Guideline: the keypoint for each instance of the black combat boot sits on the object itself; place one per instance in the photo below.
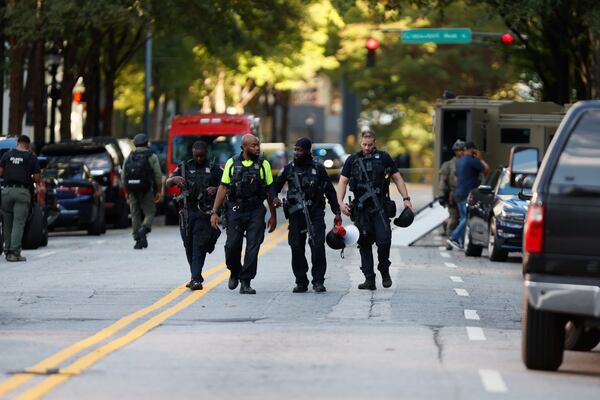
(386, 279)
(142, 236)
(233, 282)
(15, 257)
(196, 285)
(246, 289)
(368, 284)
(137, 245)
(300, 289)
(319, 288)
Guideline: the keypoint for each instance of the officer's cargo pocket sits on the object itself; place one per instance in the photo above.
(389, 207)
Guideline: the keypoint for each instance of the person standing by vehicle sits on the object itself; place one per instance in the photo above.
(368, 173)
(447, 184)
(245, 182)
(20, 168)
(198, 180)
(143, 181)
(308, 186)
(468, 169)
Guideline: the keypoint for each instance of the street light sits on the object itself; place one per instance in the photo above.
(54, 60)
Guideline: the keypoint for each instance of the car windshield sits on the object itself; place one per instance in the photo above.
(326, 153)
(220, 147)
(504, 187)
(65, 171)
(98, 163)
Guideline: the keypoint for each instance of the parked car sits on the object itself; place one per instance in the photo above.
(332, 156)
(159, 147)
(561, 261)
(495, 216)
(126, 146)
(106, 170)
(112, 146)
(80, 197)
(36, 229)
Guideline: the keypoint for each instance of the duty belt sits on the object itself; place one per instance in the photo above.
(16, 185)
(245, 206)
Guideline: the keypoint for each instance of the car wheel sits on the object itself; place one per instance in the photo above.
(580, 338)
(542, 338)
(1, 236)
(95, 228)
(494, 251)
(471, 250)
(122, 217)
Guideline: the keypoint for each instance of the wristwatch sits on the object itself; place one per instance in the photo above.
(407, 198)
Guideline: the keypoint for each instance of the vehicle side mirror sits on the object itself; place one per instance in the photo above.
(523, 166)
(485, 189)
(43, 161)
(525, 195)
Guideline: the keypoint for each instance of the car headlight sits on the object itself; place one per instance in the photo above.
(511, 215)
(328, 163)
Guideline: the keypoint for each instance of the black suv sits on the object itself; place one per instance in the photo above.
(561, 246)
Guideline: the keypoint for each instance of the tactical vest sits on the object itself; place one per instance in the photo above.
(198, 178)
(17, 169)
(246, 183)
(377, 173)
(310, 184)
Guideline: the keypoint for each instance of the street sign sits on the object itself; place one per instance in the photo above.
(437, 35)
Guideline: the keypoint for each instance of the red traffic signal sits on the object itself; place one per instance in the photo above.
(372, 43)
(507, 38)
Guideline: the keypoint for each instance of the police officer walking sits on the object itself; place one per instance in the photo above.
(245, 182)
(308, 186)
(20, 168)
(198, 180)
(447, 185)
(368, 173)
(143, 180)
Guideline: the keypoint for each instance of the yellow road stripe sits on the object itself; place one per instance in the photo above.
(93, 357)
(17, 380)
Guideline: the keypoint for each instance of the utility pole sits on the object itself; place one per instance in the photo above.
(148, 82)
(2, 62)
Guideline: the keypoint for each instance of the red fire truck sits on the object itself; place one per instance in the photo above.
(223, 134)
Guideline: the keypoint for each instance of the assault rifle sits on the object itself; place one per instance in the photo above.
(183, 198)
(371, 193)
(301, 204)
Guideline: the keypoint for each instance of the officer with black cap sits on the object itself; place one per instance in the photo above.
(20, 168)
(143, 183)
(308, 186)
(198, 179)
(246, 180)
(368, 173)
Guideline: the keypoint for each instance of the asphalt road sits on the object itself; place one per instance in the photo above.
(90, 318)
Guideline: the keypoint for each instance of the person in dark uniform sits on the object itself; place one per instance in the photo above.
(315, 186)
(368, 173)
(198, 180)
(143, 182)
(20, 168)
(245, 182)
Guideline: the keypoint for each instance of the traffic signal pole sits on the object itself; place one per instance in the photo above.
(148, 82)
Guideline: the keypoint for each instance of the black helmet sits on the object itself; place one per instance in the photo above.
(334, 241)
(141, 139)
(405, 218)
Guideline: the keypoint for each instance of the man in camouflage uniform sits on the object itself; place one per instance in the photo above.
(447, 184)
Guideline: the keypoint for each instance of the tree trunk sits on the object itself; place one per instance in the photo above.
(283, 99)
(163, 120)
(155, 115)
(109, 100)
(17, 56)
(66, 91)
(39, 94)
(91, 79)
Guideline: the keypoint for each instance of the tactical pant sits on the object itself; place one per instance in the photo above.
(374, 230)
(452, 219)
(297, 242)
(15, 209)
(195, 234)
(251, 223)
(141, 204)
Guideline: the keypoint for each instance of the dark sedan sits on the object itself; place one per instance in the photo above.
(80, 198)
(495, 216)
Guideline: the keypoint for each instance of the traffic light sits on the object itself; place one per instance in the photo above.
(371, 45)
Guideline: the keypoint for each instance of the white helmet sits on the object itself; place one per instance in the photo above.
(352, 235)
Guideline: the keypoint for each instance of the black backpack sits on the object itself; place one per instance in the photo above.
(138, 173)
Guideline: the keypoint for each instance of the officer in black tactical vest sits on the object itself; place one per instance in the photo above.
(245, 182)
(19, 168)
(369, 173)
(143, 183)
(308, 186)
(198, 180)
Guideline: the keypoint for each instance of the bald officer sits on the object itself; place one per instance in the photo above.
(245, 182)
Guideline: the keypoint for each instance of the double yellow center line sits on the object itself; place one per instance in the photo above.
(59, 376)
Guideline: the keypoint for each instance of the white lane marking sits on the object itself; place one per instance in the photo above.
(456, 279)
(445, 255)
(475, 333)
(451, 265)
(461, 292)
(442, 248)
(472, 314)
(46, 254)
(101, 241)
(492, 381)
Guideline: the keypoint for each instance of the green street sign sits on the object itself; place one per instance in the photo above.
(437, 35)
